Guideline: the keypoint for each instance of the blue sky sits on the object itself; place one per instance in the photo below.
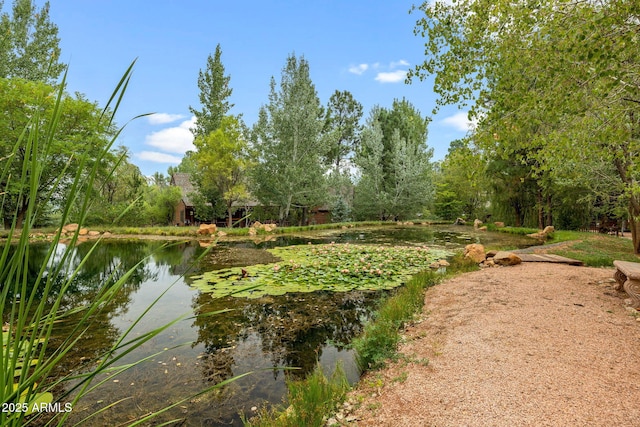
(361, 46)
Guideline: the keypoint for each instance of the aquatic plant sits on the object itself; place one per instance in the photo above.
(32, 296)
(328, 267)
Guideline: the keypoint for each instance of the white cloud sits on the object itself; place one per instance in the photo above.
(396, 64)
(460, 121)
(163, 118)
(177, 139)
(358, 69)
(154, 156)
(391, 77)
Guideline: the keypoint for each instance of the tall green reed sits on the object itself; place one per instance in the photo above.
(32, 307)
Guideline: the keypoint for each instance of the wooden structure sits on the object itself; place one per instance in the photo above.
(525, 257)
(184, 213)
(628, 277)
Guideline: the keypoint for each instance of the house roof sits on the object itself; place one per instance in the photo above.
(183, 180)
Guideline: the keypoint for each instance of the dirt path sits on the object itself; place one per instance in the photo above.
(532, 345)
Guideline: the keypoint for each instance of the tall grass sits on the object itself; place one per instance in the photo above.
(380, 337)
(310, 401)
(32, 307)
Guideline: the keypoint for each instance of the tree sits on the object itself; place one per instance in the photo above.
(81, 134)
(29, 43)
(214, 94)
(462, 184)
(402, 175)
(342, 126)
(223, 159)
(288, 138)
(555, 82)
(118, 196)
(160, 203)
(370, 200)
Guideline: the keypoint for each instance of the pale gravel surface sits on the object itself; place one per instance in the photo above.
(531, 345)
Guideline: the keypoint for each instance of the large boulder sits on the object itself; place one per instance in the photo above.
(474, 252)
(506, 258)
(207, 229)
(544, 234)
(477, 223)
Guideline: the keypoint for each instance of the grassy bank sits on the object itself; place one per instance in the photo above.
(594, 249)
(313, 399)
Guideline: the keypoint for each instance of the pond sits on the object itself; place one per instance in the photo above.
(261, 335)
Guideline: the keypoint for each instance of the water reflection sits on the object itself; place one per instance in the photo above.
(257, 335)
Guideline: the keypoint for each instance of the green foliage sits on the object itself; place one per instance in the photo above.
(29, 44)
(555, 86)
(394, 161)
(160, 204)
(310, 401)
(290, 145)
(214, 94)
(333, 267)
(80, 127)
(342, 127)
(223, 159)
(380, 338)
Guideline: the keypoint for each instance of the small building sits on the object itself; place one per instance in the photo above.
(184, 213)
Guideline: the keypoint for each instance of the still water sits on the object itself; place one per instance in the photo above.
(261, 336)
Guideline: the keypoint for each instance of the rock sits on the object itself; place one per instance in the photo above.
(483, 228)
(477, 223)
(221, 233)
(499, 224)
(542, 235)
(93, 233)
(70, 228)
(207, 229)
(548, 230)
(252, 231)
(443, 263)
(83, 232)
(107, 234)
(506, 258)
(491, 254)
(474, 252)
(459, 221)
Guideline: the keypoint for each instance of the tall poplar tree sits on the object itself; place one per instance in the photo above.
(288, 137)
(214, 96)
(29, 43)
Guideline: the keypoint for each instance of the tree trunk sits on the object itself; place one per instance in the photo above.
(540, 209)
(634, 225)
(229, 216)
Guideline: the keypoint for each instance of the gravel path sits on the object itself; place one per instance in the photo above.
(532, 345)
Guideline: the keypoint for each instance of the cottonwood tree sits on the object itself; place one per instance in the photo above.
(81, 135)
(214, 96)
(342, 127)
(290, 144)
(555, 82)
(29, 43)
(223, 159)
(395, 162)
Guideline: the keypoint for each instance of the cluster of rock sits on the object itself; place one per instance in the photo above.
(71, 229)
(256, 226)
(476, 253)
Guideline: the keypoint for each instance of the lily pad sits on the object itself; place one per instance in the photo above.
(309, 268)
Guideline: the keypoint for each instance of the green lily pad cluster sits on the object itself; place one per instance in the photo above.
(330, 267)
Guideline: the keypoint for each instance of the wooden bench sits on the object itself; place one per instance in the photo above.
(628, 277)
